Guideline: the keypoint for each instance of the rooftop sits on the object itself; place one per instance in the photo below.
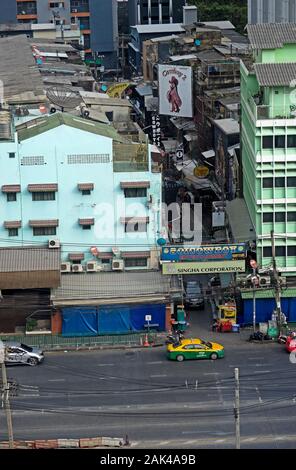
(228, 126)
(281, 74)
(159, 28)
(240, 221)
(46, 123)
(271, 35)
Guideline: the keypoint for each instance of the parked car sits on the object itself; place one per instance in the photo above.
(193, 297)
(19, 353)
(194, 349)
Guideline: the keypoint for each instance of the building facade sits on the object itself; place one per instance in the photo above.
(271, 11)
(97, 21)
(268, 139)
(155, 11)
(71, 183)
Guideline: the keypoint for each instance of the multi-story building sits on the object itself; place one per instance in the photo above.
(269, 141)
(271, 11)
(155, 11)
(97, 21)
(79, 184)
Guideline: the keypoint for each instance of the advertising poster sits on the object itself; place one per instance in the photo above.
(218, 267)
(175, 90)
(204, 253)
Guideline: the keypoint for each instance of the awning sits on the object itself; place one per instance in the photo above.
(105, 255)
(85, 186)
(133, 47)
(12, 224)
(44, 223)
(135, 254)
(86, 221)
(208, 153)
(170, 145)
(76, 256)
(42, 188)
(11, 188)
(135, 220)
(134, 184)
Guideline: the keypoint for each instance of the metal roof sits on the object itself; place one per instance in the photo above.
(240, 221)
(18, 70)
(159, 28)
(271, 35)
(219, 24)
(228, 126)
(113, 285)
(46, 123)
(275, 74)
(29, 259)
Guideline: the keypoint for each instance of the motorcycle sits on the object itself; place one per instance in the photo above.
(174, 338)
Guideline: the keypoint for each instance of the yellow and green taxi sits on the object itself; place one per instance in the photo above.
(194, 349)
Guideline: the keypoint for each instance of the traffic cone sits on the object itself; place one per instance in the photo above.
(146, 343)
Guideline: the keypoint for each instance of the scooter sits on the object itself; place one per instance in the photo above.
(174, 338)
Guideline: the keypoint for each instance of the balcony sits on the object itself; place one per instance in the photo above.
(264, 112)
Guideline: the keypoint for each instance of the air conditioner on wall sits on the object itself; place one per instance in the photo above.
(264, 281)
(65, 267)
(77, 268)
(93, 267)
(54, 243)
(117, 265)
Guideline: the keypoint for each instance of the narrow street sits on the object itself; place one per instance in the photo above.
(159, 403)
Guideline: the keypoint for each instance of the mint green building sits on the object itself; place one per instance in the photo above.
(268, 139)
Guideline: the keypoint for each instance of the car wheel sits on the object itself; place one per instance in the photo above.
(32, 361)
(214, 356)
(180, 358)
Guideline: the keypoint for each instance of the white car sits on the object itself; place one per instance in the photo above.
(19, 353)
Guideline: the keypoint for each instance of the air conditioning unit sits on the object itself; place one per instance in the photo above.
(65, 267)
(77, 268)
(54, 243)
(244, 282)
(117, 265)
(92, 266)
(264, 281)
(283, 281)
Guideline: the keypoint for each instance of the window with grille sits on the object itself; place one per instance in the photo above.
(11, 197)
(86, 227)
(131, 227)
(43, 196)
(30, 161)
(86, 192)
(135, 192)
(135, 262)
(13, 232)
(37, 231)
(88, 158)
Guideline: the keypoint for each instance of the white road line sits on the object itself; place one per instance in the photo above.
(256, 358)
(258, 393)
(261, 371)
(105, 365)
(211, 373)
(56, 380)
(158, 375)
(250, 439)
(164, 443)
(155, 362)
(219, 440)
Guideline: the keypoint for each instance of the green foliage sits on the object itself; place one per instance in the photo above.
(235, 11)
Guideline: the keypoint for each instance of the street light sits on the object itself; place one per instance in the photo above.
(255, 281)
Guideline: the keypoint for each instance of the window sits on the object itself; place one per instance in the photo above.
(291, 216)
(135, 192)
(86, 192)
(280, 141)
(267, 182)
(291, 181)
(268, 217)
(13, 232)
(267, 142)
(37, 231)
(11, 154)
(135, 227)
(291, 141)
(11, 197)
(280, 251)
(280, 216)
(135, 262)
(291, 251)
(105, 261)
(279, 182)
(43, 196)
(267, 252)
(86, 227)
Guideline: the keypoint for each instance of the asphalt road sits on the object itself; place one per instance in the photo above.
(156, 402)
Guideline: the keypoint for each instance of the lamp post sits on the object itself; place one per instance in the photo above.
(253, 265)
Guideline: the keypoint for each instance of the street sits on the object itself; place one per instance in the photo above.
(159, 403)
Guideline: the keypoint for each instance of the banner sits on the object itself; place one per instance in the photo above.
(175, 90)
(218, 267)
(204, 252)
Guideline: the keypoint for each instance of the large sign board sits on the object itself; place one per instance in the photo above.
(218, 267)
(175, 90)
(204, 252)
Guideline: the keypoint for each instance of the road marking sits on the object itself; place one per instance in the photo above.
(250, 439)
(187, 443)
(56, 380)
(256, 358)
(105, 365)
(258, 393)
(155, 362)
(260, 365)
(159, 375)
(164, 443)
(261, 371)
(219, 440)
(211, 373)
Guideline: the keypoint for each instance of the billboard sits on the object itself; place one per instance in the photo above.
(175, 90)
(204, 253)
(218, 267)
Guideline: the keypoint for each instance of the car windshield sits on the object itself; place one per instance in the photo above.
(26, 348)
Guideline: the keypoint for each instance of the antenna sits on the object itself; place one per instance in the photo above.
(63, 97)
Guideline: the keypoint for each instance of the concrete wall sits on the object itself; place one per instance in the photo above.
(8, 11)
(271, 11)
(45, 14)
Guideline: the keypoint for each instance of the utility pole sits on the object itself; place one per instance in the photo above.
(236, 409)
(277, 285)
(5, 395)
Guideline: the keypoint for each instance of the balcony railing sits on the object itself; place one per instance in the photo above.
(265, 112)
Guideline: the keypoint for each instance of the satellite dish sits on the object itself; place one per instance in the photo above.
(63, 97)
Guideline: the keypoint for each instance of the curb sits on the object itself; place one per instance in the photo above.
(103, 347)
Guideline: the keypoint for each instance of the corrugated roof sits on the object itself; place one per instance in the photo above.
(159, 28)
(111, 285)
(271, 35)
(46, 123)
(29, 259)
(275, 74)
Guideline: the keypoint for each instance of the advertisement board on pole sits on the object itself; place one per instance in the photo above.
(175, 90)
(218, 267)
(204, 252)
